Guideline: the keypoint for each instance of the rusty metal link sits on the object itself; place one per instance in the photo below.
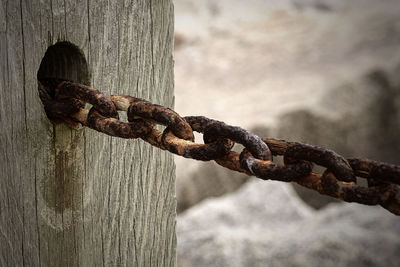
(323, 157)
(64, 101)
(268, 170)
(68, 90)
(61, 110)
(374, 170)
(162, 115)
(386, 195)
(218, 129)
(208, 151)
(115, 127)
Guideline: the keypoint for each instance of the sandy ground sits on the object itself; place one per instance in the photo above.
(247, 62)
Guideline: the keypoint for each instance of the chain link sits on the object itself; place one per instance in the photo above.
(64, 101)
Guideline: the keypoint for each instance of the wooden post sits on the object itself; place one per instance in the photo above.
(78, 197)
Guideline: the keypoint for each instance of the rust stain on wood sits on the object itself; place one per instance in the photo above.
(63, 190)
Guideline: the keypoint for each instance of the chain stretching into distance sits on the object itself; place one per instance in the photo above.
(64, 101)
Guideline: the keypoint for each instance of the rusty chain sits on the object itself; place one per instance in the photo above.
(64, 101)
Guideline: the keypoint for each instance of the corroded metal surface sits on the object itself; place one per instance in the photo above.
(64, 102)
(115, 127)
(208, 151)
(268, 170)
(218, 129)
(67, 90)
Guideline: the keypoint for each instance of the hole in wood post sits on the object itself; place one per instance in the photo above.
(62, 188)
(62, 61)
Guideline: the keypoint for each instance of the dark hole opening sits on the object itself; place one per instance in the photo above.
(64, 61)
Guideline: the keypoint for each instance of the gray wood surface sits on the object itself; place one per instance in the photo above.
(80, 198)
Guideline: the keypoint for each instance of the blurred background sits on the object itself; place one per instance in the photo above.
(324, 72)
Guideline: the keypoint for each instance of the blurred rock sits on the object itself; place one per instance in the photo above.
(312, 198)
(359, 119)
(209, 180)
(263, 224)
(179, 40)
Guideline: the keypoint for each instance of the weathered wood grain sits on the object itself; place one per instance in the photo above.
(79, 198)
